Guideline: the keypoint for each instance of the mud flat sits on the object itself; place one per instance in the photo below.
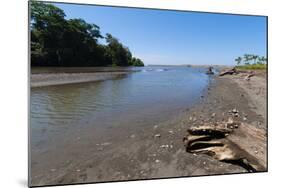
(158, 151)
(47, 79)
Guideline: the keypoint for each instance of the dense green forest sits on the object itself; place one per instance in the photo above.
(56, 41)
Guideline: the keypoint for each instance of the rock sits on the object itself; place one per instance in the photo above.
(155, 126)
(234, 110)
(213, 115)
(157, 161)
(132, 136)
(157, 136)
(164, 146)
(105, 144)
(190, 118)
(171, 132)
(244, 119)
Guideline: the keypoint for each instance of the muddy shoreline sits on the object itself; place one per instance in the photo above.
(157, 151)
(49, 79)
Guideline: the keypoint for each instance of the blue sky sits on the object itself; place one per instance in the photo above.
(174, 37)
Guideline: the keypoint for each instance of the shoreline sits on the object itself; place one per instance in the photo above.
(157, 151)
(49, 79)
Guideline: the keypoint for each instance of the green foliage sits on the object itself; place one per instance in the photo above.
(252, 67)
(136, 62)
(251, 61)
(56, 41)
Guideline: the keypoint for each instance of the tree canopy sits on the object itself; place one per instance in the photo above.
(56, 41)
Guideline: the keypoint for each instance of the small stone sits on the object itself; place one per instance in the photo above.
(105, 144)
(256, 152)
(244, 119)
(171, 132)
(190, 118)
(235, 110)
(78, 170)
(213, 115)
(53, 170)
(164, 146)
(132, 136)
(155, 126)
(204, 163)
(157, 161)
(157, 136)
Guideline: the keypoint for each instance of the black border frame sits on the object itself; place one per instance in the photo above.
(143, 8)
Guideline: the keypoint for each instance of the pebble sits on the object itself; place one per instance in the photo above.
(171, 132)
(155, 126)
(213, 115)
(105, 144)
(244, 118)
(132, 136)
(157, 161)
(157, 136)
(164, 146)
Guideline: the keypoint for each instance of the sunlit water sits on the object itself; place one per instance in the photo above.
(143, 98)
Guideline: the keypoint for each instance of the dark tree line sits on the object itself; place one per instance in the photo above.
(56, 41)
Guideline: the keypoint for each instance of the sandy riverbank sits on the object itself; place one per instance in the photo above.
(47, 79)
(157, 151)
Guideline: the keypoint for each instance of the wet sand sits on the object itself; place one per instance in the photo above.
(157, 151)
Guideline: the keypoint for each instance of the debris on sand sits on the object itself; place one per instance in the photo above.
(234, 112)
(226, 141)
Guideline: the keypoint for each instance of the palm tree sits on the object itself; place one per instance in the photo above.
(254, 57)
(238, 60)
(247, 58)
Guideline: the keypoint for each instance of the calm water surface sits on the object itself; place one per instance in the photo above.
(143, 98)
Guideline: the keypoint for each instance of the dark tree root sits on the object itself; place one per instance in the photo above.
(244, 163)
(214, 141)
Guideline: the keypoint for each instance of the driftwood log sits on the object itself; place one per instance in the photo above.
(233, 142)
(230, 71)
(249, 76)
